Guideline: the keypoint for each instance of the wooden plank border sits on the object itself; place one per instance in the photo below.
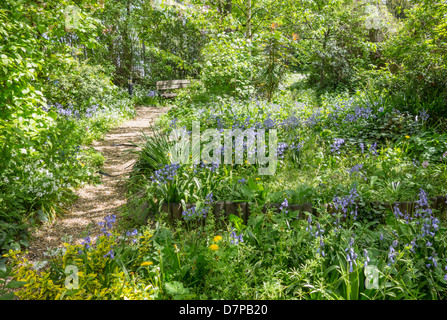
(226, 208)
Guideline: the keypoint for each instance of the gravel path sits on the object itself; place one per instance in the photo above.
(97, 201)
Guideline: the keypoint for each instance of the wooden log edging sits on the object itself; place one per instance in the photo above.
(226, 208)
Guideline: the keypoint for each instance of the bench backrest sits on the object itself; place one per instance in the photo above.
(172, 84)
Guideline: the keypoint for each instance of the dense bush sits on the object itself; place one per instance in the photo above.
(228, 66)
(274, 256)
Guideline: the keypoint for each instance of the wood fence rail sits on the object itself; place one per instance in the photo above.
(226, 208)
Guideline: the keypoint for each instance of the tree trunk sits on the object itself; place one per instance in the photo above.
(248, 19)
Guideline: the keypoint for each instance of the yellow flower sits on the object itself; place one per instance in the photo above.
(258, 179)
(217, 238)
(214, 247)
(408, 137)
(146, 263)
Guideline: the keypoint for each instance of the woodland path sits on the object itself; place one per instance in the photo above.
(95, 202)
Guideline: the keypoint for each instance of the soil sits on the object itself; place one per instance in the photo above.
(95, 202)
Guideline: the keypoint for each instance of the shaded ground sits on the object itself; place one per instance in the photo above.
(97, 201)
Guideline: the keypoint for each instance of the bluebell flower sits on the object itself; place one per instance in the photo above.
(165, 174)
(282, 146)
(356, 168)
(236, 239)
(424, 115)
(107, 224)
(367, 260)
(87, 241)
(284, 205)
(209, 198)
(337, 144)
(110, 254)
(373, 148)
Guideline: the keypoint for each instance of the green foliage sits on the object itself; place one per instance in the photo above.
(228, 67)
(80, 86)
(50, 104)
(416, 60)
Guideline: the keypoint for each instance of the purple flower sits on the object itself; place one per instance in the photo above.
(209, 198)
(152, 93)
(356, 168)
(280, 149)
(373, 148)
(296, 147)
(365, 253)
(165, 174)
(424, 115)
(107, 224)
(337, 144)
(236, 239)
(284, 205)
(194, 214)
(110, 254)
(87, 241)
(351, 256)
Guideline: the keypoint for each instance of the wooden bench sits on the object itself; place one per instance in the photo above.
(168, 85)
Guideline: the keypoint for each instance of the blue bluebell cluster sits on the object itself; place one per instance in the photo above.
(87, 241)
(209, 198)
(425, 218)
(132, 234)
(201, 165)
(236, 239)
(362, 147)
(367, 259)
(423, 114)
(337, 144)
(314, 119)
(269, 123)
(296, 146)
(290, 122)
(282, 146)
(356, 168)
(152, 93)
(433, 261)
(351, 256)
(347, 204)
(317, 234)
(109, 254)
(359, 113)
(284, 205)
(165, 174)
(392, 253)
(373, 148)
(90, 111)
(194, 214)
(107, 224)
(173, 123)
(70, 111)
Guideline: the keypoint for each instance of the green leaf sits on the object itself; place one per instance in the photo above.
(15, 284)
(8, 296)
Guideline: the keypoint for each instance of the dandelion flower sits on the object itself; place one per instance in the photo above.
(146, 263)
(217, 238)
(214, 247)
(408, 137)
